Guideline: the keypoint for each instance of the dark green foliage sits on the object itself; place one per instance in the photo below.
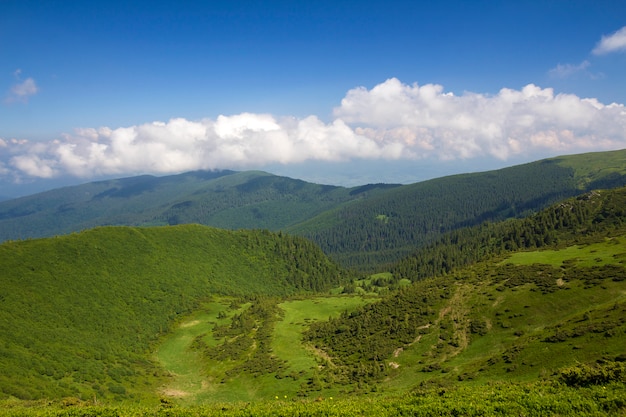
(247, 340)
(80, 313)
(586, 218)
(478, 327)
(544, 277)
(418, 214)
(360, 342)
(225, 199)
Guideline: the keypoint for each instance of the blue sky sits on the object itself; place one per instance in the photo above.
(338, 92)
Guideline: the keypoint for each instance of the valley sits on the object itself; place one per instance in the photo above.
(524, 314)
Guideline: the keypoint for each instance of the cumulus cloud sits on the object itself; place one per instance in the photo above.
(430, 122)
(22, 90)
(615, 42)
(390, 121)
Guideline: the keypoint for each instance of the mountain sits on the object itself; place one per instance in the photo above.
(366, 227)
(191, 314)
(512, 313)
(80, 314)
(372, 232)
(225, 199)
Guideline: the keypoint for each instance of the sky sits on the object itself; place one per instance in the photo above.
(335, 92)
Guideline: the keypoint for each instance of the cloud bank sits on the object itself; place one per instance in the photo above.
(391, 121)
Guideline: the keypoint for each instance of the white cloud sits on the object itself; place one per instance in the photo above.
(568, 70)
(392, 121)
(34, 166)
(22, 90)
(615, 42)
(434, 124)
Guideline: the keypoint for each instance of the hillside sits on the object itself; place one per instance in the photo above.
(382, 229)
(224, 199)
(362, 227)
(80, 314)
(117, 314)
(520, 315)
(551, 312)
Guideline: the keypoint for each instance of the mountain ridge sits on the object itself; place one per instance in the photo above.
(363, 227)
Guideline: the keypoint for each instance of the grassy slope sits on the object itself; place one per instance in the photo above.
(531, 328)
(488, 400)
(519, 319)
(79, 314)
(596, 169)
(531, 325)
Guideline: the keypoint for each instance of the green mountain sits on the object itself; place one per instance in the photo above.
(535, 323)
(510, 314)
(368, 233)
(225, 199)
(364, 227)
(80, 314)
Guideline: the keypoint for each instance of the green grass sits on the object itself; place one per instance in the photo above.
(298, 314)
(184, 366)
(594, 166)
(610, 251)
(194, 379)
(498, 399)
(585, 320)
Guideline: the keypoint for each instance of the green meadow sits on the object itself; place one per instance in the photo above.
(193, 379)
(611, 251)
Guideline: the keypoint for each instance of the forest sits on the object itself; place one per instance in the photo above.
(365, 227)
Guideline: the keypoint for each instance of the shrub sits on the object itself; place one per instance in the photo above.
(584, 375)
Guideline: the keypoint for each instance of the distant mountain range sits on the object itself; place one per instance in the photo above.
(362, 227)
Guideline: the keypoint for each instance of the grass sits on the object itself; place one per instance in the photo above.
(529, 334)
(610, 251)
(590, 167)
(186, 380)
(298, 314)
(496, 399)
(197, 380)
